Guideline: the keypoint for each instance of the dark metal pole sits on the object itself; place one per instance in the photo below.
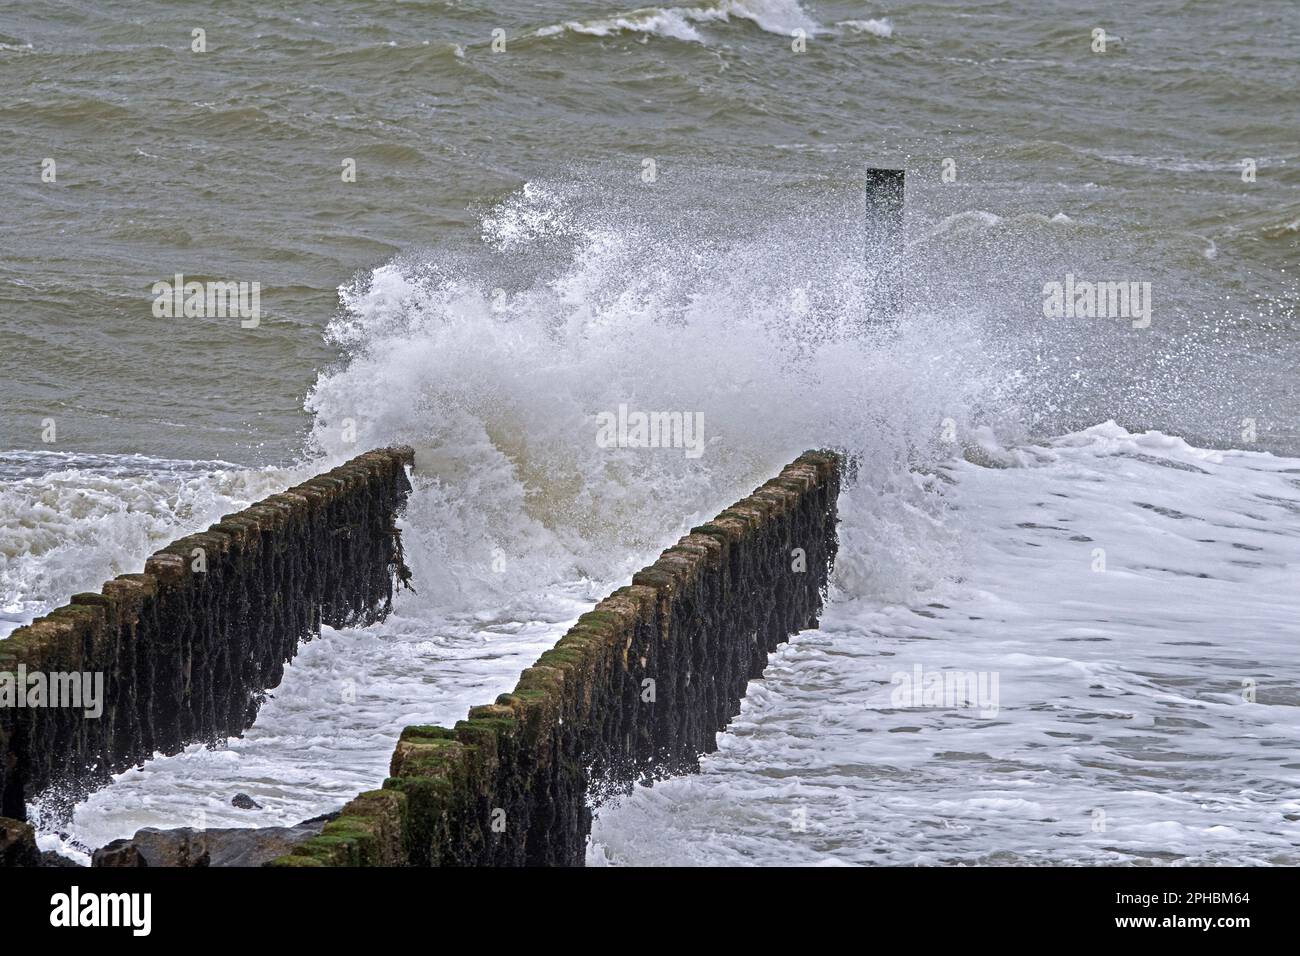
(884, 242)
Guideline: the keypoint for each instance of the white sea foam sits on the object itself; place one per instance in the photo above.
(69, 522)
(781, 17)
(1183, 164)
(877, 27)
(671, 23)
(1148, 711)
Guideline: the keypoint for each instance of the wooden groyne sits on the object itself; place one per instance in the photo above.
(187, 649)
(638, 688)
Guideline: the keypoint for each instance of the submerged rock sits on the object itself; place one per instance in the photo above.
(243, 801)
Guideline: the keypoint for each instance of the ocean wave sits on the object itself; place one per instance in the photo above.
(879, 28)
(72, 111)
(497, 379)
(982, 221)
(1284, 229)
(498, 385)
(1182, 164)
(780, 17)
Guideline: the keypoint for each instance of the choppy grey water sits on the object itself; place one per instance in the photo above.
(600, 205)
(226, 164)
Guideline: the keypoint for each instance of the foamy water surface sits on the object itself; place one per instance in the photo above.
(1134, 598)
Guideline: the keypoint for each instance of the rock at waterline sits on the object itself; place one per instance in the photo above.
(236, 846)
(18, 844)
